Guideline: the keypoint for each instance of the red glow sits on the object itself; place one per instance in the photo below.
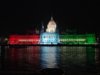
(24, 39)
(24, 56)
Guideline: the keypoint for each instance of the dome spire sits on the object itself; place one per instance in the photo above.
(51, 18)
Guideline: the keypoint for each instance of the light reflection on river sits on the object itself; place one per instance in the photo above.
(72, 59)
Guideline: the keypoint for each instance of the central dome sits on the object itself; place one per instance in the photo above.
(51, 27)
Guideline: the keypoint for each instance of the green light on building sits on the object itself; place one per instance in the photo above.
(91, 39)
(78, 39)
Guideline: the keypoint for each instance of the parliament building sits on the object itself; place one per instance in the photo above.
(51, 36)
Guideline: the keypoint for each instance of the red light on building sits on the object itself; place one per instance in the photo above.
(24, 39)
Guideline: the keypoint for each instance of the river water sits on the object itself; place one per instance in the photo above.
(80, 60)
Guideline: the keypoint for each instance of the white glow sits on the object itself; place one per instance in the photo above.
(51, 27)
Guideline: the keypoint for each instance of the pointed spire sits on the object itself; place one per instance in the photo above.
(42, 28)
(42, 25)
(51, 18)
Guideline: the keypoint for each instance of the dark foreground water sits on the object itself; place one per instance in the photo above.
(26, 60)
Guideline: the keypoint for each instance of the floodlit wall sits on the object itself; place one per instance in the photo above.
(78, 39)
(49, 38)
(24, 39)
(53, 38)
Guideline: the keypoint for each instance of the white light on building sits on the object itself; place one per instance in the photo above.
(51, 27)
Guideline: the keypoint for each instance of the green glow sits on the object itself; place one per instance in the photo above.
(90, 55)
(78, 39)
(91, 39)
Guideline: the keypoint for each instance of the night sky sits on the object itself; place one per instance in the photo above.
(25, 16)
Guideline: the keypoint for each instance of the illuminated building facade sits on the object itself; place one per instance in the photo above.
(50, 36)
(24, 39)
(78, 39)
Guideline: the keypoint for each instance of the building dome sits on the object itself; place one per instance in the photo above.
(51, 27)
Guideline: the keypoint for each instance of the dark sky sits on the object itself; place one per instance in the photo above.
(22, 16)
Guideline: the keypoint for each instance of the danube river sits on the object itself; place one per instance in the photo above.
(73, 60)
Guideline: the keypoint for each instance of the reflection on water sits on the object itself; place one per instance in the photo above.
(72, 59)
(73, 56)
(24, 58)
(49, 57)
(78, 59)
